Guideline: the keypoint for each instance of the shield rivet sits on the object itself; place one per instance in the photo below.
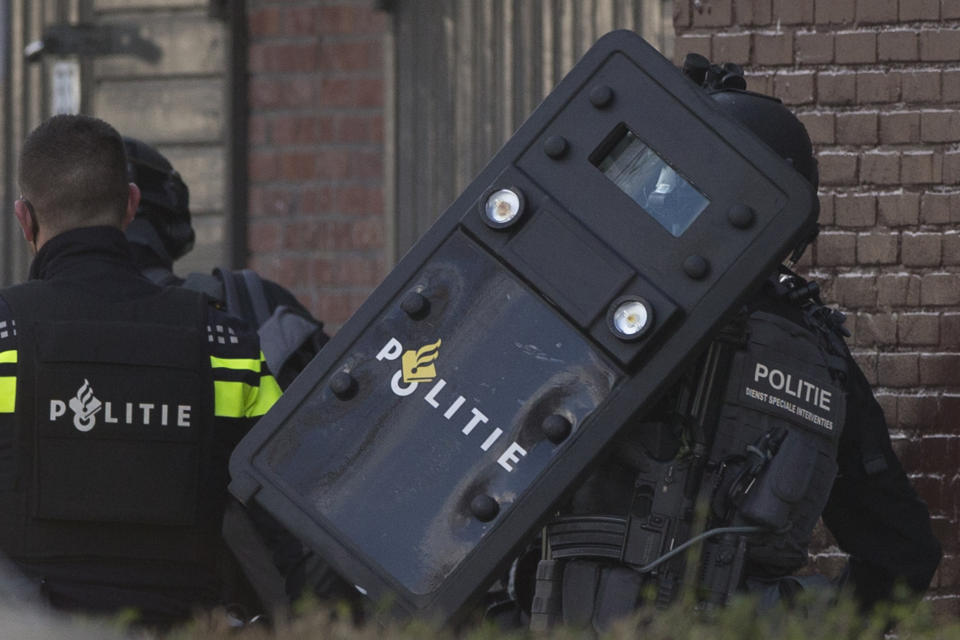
(484, 508)
(415, 305)
(556, 428)
(343, 385)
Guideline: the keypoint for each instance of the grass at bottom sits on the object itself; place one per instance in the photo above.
(813, 615)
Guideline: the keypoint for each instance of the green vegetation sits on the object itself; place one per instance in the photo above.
(811, 617)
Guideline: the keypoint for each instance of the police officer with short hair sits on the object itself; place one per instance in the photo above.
(120, 400)
(734, 434)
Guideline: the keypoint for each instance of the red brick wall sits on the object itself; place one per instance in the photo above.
(316, 163)
(877, 83)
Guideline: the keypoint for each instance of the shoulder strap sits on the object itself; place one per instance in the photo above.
(258, 296)
(232, 293)
(244, 295)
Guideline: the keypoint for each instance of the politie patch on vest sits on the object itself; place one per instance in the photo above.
(803, 396)
(86, 408)
(95, 399)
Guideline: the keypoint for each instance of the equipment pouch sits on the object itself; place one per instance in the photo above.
(784, 481)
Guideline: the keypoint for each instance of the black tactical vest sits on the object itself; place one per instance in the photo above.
(114, 430)
(758, 444)
(786, 383)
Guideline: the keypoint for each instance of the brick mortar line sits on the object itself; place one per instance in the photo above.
(934, 188)
(824, 28)
(948, 145)
(320, 218)
(327, 217)
(315, 183)
(874, 108)
(929, 309)
(286, 186)
(903, 271)
(321, 146)
(296, 39)
(320, 37)
(372, 72)
(309, 255)
(754, 71)
(857, 189)
(898, 147)
(337, 254)
(266, 4)
(269, 115)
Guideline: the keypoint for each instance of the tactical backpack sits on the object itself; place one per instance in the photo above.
(287, 338)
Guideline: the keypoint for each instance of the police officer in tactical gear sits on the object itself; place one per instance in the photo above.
(161, 234)
(120, 400)
(739, 434)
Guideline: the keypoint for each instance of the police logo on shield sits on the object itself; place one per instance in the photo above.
(417, 364)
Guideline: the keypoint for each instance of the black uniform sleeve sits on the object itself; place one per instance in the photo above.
(873, 511)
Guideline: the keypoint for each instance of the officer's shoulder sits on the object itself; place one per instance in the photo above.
(8, 326)
(797, 299)
(22, 289)
(228, 335)
(13, 295)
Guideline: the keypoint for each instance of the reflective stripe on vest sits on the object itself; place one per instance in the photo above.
(8, 384)
(235, 399)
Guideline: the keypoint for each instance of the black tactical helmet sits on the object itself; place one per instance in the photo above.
(164, 197)
(764, 115)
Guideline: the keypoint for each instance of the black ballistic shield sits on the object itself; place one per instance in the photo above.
(593, 256)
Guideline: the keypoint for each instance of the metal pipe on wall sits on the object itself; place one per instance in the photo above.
(237, 196)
